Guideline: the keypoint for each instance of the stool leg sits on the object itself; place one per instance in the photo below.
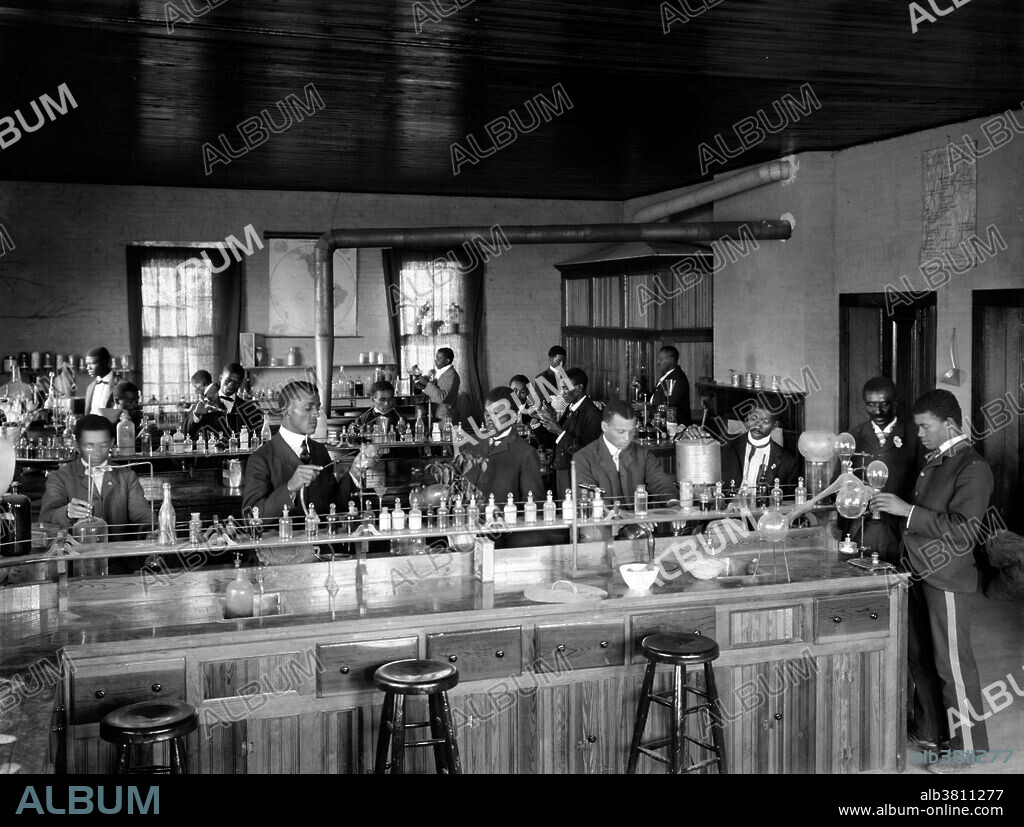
(643, 706)
(380, 763)
(715, 711)
(437, 733)
(451, 746)
(678, 718)
(122, 759)
(398, 737)
(178, 757)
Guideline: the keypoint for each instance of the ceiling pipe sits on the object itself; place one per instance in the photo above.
(752, 178)
(449, 237)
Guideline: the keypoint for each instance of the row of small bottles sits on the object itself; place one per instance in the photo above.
(179, 443)
(378, 432)
(744, 496)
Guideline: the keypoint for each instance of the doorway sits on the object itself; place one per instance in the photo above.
(898, 342)
(997, 376)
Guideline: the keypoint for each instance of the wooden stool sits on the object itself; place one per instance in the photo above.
(150, 722)
(680, 651)
(416, 677)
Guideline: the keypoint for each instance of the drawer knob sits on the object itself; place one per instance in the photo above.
(778, 716)
(836, 619)
(696, 632)
(100, 693)
(873, 615)
(156, 687)
(604, 644)
(344, 670)
(452, 658)
(500, 653)
(560, 647)
(592, 738)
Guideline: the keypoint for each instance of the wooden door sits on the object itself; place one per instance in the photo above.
(853, 739)
(996, 394)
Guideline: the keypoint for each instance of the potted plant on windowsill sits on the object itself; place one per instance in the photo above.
(421, 318)
(455, 314)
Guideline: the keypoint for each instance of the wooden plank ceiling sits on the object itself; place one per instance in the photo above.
(395, 100)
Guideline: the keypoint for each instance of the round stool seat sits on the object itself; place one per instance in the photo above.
(416, 677)
(149, 721)
(679, 648)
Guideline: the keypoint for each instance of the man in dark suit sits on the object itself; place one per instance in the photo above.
(100, 392)
(276, 473)
(754, 458)
(117, 494)
(578, 426)
(617, 465)
(941, 527)
(223, 412)
(892, 440)
(383, 398)
(673, 388)
(548, 378)
(442, 385)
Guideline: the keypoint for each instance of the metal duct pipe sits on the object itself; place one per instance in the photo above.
(450, 237)
(775, 171)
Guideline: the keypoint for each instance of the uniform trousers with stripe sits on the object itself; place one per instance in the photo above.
(942, 667)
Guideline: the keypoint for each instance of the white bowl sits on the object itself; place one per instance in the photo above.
(639, 576)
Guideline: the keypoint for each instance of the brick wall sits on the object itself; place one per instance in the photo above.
(63, 287)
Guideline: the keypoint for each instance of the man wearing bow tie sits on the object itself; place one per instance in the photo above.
(892, 440)
(223, 412)
(578, 426)
(117, 494)
(383, 398)
(100, 393)
(942, 525)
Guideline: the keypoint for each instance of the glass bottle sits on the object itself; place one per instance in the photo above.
(489, 510)
(293, 356)
(529, 509)
(640, 501)
(243, 439)
(125, 434)
(351, 518)
(686, 495)
(15, 523)
(446, 430)
(415, 517)
(238, 597)
(420, 430)
(256, 525)
(597, 507)
(195, 529)
(550, 509)
(284, 525)
(442, 514)
(384, 519)
(567, 506)
(233, 442)
(398, 516)
(165, 442)
(265, 435)
(509, 512)
(801, 492)
(332, 520)
(435, 432)
(744, 496)
(459, 513)
(472, 512)
(178, 441)
(776, 494)
(719, 497)
(168, 534)
(90, 529)
(312, 523)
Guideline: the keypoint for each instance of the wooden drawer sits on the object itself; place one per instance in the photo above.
(767, 626)
(349, 667)
(481, 654)
(95, 691)
(699, 620)
(851, 615)
(579, 646)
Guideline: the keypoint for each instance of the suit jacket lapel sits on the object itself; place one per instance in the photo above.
(614, 486)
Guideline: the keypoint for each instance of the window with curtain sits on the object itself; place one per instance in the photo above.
(432, 312)
(185, 315)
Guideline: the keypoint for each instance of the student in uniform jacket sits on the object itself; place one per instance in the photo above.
(578, 426)
(892, 440)
(942, 525)
(617, 465)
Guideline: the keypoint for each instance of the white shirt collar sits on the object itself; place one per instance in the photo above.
(206, 390)
(577, 403)
(663, 378)
(293, 439)
(949, 443)
(109, 379)
(887, 429)
(759, 443)
(441, 372)
(501, 436)
(611, 448)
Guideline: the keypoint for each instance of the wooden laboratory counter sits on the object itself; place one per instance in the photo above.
(812, 670)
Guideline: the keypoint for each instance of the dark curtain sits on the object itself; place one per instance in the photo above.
(427, 295)
(182, 319)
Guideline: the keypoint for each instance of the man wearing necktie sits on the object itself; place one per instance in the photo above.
(617, 465)
(277, 472)
(383, 398)
(578, 426)
(946, 520)
(100, 393)
(891, 439)
(221, 411)
(754, 457)
(673, 388)
(117, 494)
